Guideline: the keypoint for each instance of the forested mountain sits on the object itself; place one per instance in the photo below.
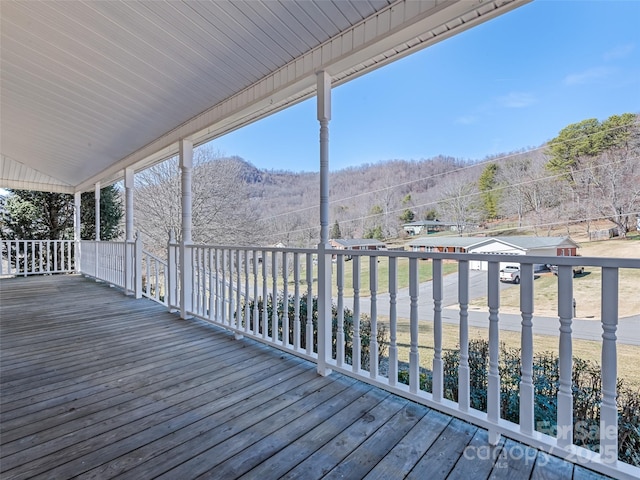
(590, 171)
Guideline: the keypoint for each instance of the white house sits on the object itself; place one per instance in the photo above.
(516, 245)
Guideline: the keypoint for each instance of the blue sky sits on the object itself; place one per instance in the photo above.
(510, 83)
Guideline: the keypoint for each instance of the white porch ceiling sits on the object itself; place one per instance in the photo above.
(90, 87)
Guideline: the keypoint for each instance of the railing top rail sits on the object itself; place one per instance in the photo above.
(154, 257)
(616, 262)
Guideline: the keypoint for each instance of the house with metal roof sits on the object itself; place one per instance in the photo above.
(357, 244)
(512, 245)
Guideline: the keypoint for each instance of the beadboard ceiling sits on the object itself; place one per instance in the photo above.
(89, 88)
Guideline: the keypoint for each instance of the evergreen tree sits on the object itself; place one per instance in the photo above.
(335, 231)
(487, 184)
(110, 214)
(30, 215)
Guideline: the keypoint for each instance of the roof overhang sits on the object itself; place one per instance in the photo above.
(89, 89)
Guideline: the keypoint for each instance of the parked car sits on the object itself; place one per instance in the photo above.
(510, 273)
(577, 270)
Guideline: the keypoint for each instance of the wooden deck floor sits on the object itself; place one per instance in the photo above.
(98, 385)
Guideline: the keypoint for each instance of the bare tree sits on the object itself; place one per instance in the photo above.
(222, 213)
(459, 203)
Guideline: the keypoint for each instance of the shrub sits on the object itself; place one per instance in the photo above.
(365, 327)
(586, 386)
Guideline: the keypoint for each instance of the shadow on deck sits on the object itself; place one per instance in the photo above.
(98, 385)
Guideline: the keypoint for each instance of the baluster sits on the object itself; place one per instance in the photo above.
(40, 257)
(147, 272)
(223, 290)
(247, 304)
(296, 301)
(437, 385)
(463, 367)
(256, 310)
(217, 313)
(55, 259)
(285, 300)
(265, 290)
(393, 318)
(373, 335)
(565, 397)
(526, 345)
(355, 344)
(493, 379)
(609, 407)
(274, 295)
(340, 330)
(211, 315)
(195, 265)
(231, 271)
(309, 324)
(414, 356)
(238, 311)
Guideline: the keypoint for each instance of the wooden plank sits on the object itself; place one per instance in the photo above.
(330, 455)
(478, 458)
(299, 449)
(198, 454)
(406, 453)
(438, 461)
(548, 467)
(515, 461)
(376, 447)
(264, 449)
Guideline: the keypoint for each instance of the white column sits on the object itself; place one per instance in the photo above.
(97, 227)
(97, 209)
(130, 273)
(186, 270)
(324, 260)
(77, 197)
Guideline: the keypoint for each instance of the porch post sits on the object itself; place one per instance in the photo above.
(77, 197)
(131, 273)
(186, 270)
(97, 227)
(324, 260)
(97, 209)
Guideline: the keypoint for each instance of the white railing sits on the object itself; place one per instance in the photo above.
(230, 287)
(36, 257)
(154, 278)
(104, 261)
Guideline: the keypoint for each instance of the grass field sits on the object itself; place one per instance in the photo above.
(628, 355)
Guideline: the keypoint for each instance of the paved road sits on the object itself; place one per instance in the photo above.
(628, 328)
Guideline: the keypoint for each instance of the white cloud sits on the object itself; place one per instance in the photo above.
(587, 76)
(517, 100)
(621, 51)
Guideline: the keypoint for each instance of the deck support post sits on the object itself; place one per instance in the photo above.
(130, 272)
(186, 267)
(77, 197)
(97, 229)
(324, 259)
